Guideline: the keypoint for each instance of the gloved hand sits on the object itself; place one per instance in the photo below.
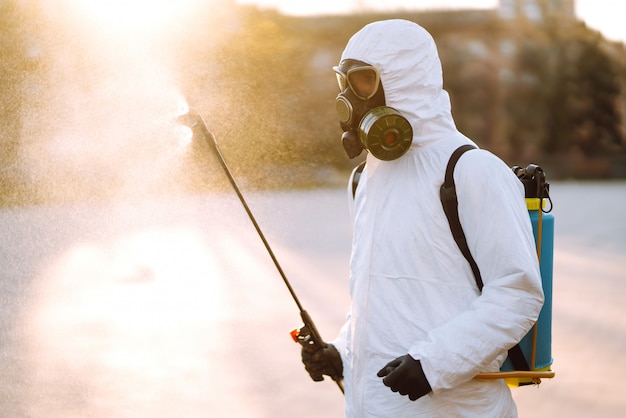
(322, 361)
(405, 375)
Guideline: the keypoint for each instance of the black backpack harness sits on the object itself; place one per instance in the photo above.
(450, 204)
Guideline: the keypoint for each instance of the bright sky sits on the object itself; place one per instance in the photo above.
(603, 15)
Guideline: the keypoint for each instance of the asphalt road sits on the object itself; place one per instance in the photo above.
(172, 307)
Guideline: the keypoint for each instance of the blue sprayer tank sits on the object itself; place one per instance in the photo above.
(537, 344)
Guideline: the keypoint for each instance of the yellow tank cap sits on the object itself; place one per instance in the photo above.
(532, 203)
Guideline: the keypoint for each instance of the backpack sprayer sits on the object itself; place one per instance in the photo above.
(536, 346)
(530, 360)
(308, 335)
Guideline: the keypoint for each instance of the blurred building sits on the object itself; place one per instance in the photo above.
(536, 10)
(515, 74)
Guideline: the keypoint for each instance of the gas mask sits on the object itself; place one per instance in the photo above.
(366, 121)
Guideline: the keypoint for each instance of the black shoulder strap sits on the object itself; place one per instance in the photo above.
(356, 176)
(451, 208)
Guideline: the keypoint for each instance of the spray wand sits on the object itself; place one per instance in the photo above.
(308, 335)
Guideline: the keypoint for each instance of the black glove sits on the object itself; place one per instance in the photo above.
(322, 361)
(405, 375)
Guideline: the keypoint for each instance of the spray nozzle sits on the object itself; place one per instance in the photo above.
(193, 119)
(190, 118)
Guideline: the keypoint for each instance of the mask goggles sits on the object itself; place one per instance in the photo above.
(363, 81)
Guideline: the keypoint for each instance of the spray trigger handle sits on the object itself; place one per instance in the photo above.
(304, 337)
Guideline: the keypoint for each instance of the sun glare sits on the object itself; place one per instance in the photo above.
(132, 16)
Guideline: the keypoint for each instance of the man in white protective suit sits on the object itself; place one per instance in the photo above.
(419, 329)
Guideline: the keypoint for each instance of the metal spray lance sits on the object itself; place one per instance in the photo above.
(307, 335)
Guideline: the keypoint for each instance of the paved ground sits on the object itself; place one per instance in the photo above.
(159, 309)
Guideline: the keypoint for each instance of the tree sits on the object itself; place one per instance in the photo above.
(584, 114)
(13, 66)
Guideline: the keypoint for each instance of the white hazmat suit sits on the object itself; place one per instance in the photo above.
(412, 290)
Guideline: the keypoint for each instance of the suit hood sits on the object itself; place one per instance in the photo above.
(406, 56)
